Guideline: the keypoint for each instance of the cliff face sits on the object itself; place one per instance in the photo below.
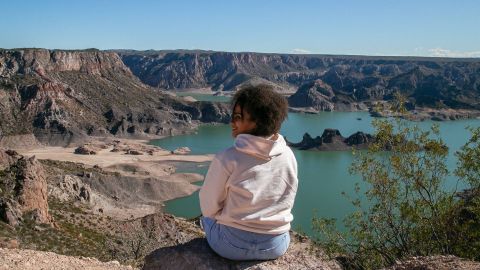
(43, 62)
(23, 189)
(315, 94)
(63, 96)
(198, 69)
(426, 81)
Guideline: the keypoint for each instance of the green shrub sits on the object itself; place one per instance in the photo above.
(406, 210)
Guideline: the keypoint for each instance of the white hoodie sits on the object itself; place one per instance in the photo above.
(252, 185)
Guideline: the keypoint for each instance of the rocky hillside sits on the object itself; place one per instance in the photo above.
(75, 226)
(74, 209)
(434, 82)
(63, 96)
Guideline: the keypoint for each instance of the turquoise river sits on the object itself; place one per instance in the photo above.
(323, 176)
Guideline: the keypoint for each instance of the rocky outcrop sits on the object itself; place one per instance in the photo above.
(44, 62)
(206, 112)
(332, 140)
(307, 142)
(70, 188)
(85, 150)
(65, 96)
(359, 138)
(439, 262)
(196, 254)
(316, 95)
(23, 189)
(430, 82)
(181, 151)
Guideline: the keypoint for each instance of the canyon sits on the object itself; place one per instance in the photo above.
(66, 96)
(101, 192)
(342, 80)
(62, 96)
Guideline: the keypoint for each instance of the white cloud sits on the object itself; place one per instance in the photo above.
(439, 52)
(419, 50)
(301, 51)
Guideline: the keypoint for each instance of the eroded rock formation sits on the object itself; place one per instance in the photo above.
(431, 82)
(332, 140)
(316, 95)
(64, 96)
(23, 189)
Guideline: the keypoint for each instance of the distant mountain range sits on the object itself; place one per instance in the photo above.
(63, 95)
(426, 81)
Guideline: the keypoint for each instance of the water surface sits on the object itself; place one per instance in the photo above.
(205, 97)
(322, 175)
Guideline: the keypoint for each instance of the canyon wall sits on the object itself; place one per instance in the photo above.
(64, 96)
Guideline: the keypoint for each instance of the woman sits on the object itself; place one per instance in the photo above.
(249, 190)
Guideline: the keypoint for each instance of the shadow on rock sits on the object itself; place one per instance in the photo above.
(195, 254)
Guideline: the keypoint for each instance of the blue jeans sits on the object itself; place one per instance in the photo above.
(236, 244)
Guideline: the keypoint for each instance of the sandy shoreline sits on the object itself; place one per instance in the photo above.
(127, 156)
(106, 158)
(147, 165)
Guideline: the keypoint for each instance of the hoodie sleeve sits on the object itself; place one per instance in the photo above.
(214, 191)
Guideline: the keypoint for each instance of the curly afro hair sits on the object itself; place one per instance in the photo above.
(267, 108)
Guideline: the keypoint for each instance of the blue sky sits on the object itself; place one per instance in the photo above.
(375, 27)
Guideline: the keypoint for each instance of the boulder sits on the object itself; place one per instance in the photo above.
(196, 254)
(134, 152)
(84, 150)
(182, 150)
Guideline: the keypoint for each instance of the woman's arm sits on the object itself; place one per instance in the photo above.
(214, 191)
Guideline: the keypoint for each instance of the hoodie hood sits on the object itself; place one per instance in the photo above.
(260, 147)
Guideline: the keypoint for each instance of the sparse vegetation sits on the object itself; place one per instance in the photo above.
(79, 231)
(407, 210)
(69, 167)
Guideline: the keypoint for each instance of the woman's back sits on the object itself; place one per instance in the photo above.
(262, 185)
(249, 190)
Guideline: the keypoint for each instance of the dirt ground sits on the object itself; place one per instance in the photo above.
(32, 259)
